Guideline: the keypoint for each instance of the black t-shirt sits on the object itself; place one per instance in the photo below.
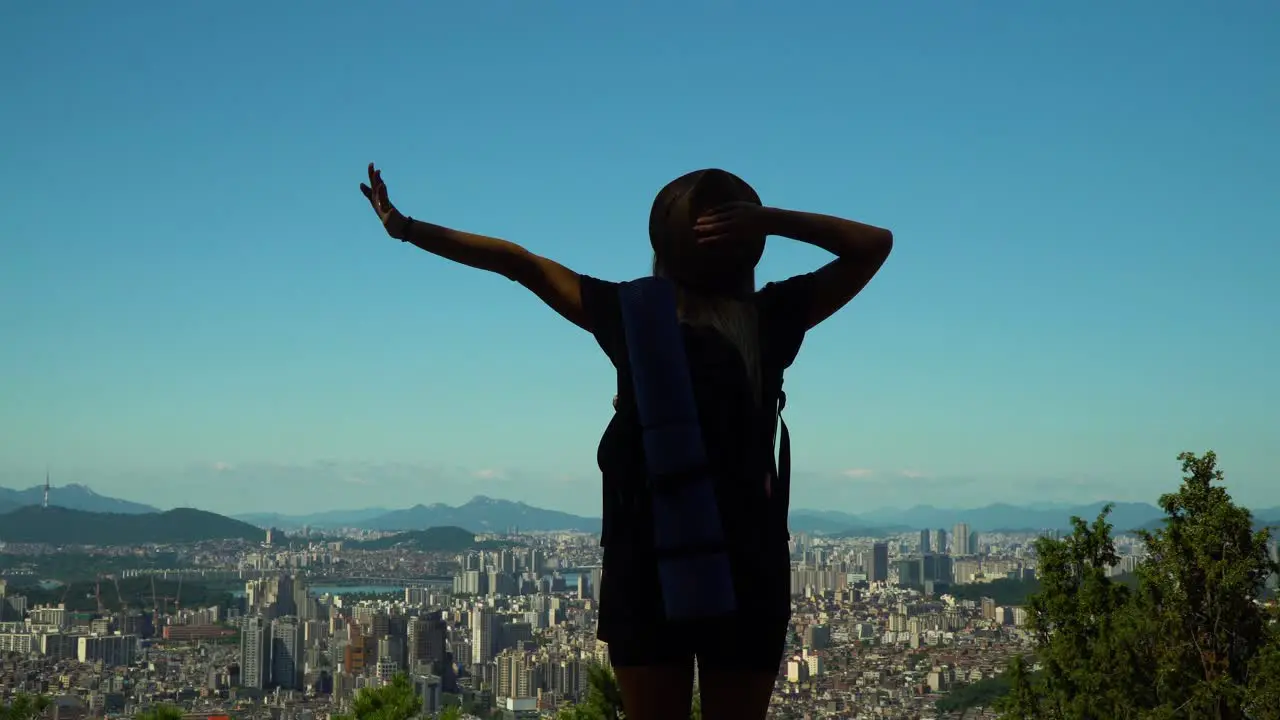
(737, 432)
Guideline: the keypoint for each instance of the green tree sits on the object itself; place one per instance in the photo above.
(1075, 618)
(1264, 675)
(1199, 586)
(395, 700)
(603, 699)
(1190, 642)
(24, 707)
(1023, 700)
(161, 712)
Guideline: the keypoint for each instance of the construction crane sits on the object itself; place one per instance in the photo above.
(124, 608)
(155, 607)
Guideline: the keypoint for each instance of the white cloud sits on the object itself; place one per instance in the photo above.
(858, 473)
(489, 474)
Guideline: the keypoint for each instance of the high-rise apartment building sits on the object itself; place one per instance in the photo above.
(110, 650)
(960, 540)
(255, 653)
(484, 635)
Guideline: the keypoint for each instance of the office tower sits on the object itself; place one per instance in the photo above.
(924, 542)
(428, 687)
(817, 637)
(939, 541)
(286, 653)
(484, 635)
(880, 562)
(359, 654)
(596, 575)
(427, 642)
(255, 653)
(960, 539)
(511, 634)
(973, 543)
(391, 653)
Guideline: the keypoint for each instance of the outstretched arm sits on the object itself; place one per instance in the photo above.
(860, 249)
(557, 286)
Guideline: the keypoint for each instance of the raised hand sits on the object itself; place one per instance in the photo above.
(732, 221)
(375, 192)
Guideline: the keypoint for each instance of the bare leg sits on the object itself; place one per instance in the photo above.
(657, 692)
(735, 694)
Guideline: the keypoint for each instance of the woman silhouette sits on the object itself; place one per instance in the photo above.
(708, 231)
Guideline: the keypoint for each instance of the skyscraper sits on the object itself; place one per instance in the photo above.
(255, 653)
(960, 539)
(939, 541)
(427, 642)
(924, 542)
(880, 562)
(484, 635)
(286, 653)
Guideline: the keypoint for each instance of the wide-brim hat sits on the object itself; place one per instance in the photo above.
(678, 205)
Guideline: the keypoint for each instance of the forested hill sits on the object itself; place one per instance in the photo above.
(60, 526)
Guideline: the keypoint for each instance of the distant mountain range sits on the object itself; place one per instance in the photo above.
(330, 519)
(72, 496)
(1124, 517)
(484, 514)
(61, 526)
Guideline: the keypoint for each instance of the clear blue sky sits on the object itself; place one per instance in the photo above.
(197, 306)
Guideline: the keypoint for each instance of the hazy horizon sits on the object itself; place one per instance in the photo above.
(382, 486)
(198, 306)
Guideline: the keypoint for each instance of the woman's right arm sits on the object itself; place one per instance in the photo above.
(557, 285)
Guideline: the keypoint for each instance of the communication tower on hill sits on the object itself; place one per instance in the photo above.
(46, 487)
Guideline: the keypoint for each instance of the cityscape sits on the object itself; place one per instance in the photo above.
(639, 361)
(295, 623)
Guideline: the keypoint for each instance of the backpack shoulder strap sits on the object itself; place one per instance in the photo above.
(693, 566)
(784, 444)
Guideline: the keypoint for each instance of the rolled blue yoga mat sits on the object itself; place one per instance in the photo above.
(693, 566)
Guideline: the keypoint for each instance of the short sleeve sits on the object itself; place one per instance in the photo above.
(784, 309)
(603, 309)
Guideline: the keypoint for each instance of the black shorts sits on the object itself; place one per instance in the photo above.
(737, 644)
(632, 620)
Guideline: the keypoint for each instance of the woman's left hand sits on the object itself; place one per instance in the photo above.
(732, 221)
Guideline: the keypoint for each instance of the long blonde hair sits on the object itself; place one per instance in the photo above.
(732, 317)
